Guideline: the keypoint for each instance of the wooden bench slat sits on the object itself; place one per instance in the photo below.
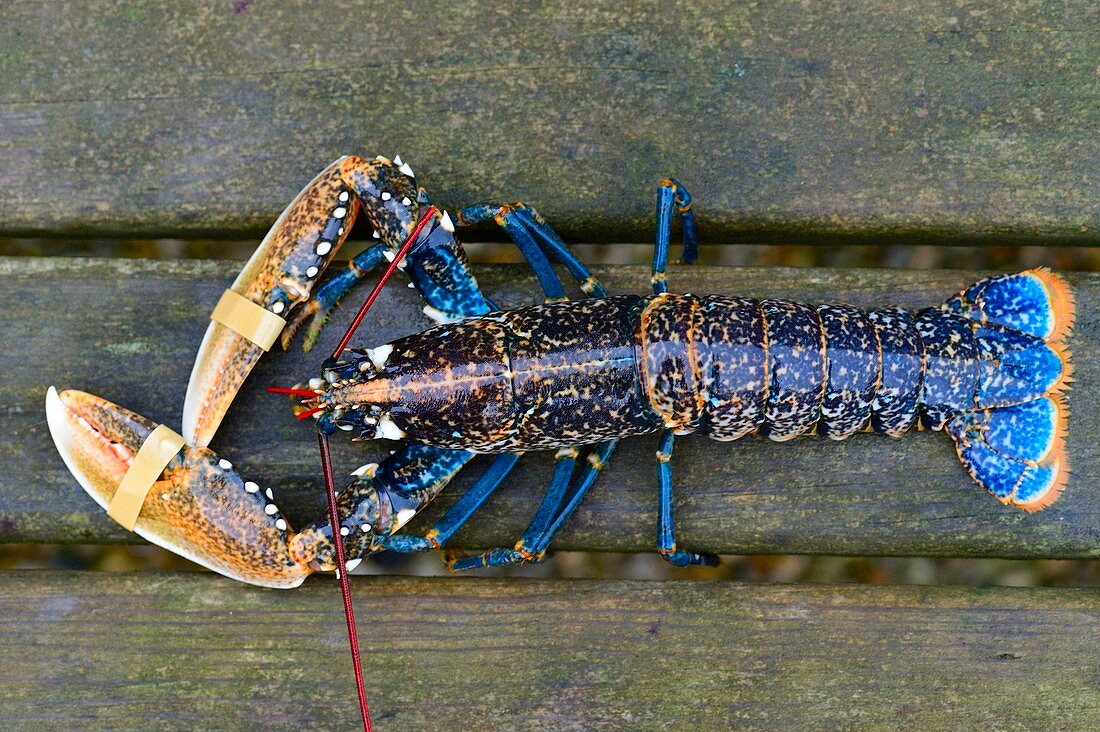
(128, 330)
(916, 121)
(159, 651)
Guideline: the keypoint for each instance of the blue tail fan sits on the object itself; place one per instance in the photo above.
(1015, 367)
(1013, 441)
(1017, 453)
(1037, 301)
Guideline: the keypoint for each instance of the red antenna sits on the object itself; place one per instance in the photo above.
(326, 467)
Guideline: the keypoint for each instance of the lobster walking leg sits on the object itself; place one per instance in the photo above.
(666, 533)
(671, 193)
(536, 539)
(524, 239)
(564, 463)
(524, 222)
(329, 294)
(458, 514)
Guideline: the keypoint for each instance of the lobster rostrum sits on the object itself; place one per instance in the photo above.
(988, 366)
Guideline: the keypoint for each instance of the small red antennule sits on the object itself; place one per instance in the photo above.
(307, 393)
(308, 413)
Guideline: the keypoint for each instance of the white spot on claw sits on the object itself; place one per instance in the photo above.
(397, 160)
(323, 248)
(376, 235)
(406, 201)
(389, 255)
(339, 212)
(365, 528)
(251, 487)
(311, 272)
(271, 509)
(344, 531)
(404, 515)
(278, 307)
(351, 564)
(407, 170)
(165, 496)
(343, 197)
(269, 494)
(225, 464)
(280, 525)
(386, 195)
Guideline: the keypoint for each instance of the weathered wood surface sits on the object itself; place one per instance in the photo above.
(931, 120)
(128, 330)
(175, 651)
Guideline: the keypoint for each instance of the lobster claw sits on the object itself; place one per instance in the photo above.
(280, 274)
(199, 508)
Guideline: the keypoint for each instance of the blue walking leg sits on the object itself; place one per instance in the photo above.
(671, 193)
(458, 514)
(536, 539)
(521, 216)
(565, 461)
(666, 533)
(597, 460)
(524, 241)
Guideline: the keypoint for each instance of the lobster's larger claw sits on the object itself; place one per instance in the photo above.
(200, 508)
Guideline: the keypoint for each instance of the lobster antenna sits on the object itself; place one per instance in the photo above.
(342, 573)
(330, 483)
(413, 236)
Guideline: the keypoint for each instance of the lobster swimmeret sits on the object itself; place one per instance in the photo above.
(988, 366)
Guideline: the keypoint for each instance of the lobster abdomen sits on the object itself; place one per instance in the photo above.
(785, 368)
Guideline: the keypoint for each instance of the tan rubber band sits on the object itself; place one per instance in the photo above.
(252, 321)
(159, 447)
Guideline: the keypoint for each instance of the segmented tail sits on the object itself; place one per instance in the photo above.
(1013, 441)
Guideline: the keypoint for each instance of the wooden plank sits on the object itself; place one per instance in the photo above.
(916, 121)
(128, 330)
(169, 651)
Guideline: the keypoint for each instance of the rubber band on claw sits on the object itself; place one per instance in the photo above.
(242, 316)
(158, 449)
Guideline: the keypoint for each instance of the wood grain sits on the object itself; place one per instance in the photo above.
(127, 330)
(190, 651)
(906, 121)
